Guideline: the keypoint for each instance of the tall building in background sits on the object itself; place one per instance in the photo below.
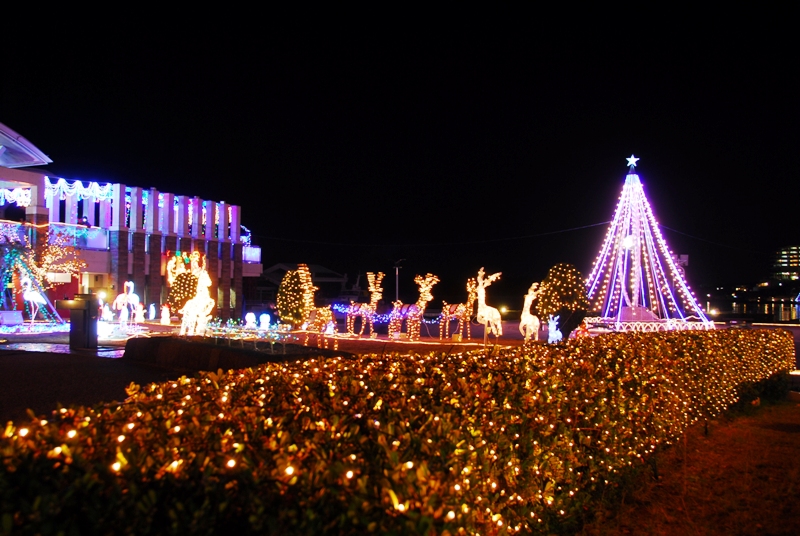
(787, 264)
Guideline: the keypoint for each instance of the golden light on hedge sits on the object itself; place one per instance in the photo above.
(517, 442)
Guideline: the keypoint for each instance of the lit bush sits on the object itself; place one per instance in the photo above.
(390, 444)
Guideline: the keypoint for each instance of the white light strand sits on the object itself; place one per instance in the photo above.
(61, 189)
(20, 196)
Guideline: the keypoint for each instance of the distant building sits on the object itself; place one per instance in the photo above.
(331, 286)
(125, 232)
(787, 264)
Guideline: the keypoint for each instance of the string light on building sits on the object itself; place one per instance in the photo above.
(61, 189)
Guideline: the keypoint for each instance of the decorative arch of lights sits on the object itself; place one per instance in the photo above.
(636, 283)
(62, 188)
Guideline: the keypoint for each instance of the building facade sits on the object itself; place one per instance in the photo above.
(125, 233)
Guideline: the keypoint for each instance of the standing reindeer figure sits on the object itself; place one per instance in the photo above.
(459, 311)
(488, 316)
(412, 312)
(366, 310)
(529, 323)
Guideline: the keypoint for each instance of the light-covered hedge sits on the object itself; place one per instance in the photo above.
(445, 444)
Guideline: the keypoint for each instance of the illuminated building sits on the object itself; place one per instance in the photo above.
(125, 233)
(786, 266)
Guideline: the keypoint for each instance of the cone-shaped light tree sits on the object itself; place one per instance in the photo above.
(635, 277)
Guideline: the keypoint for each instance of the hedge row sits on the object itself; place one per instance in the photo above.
(440, 444)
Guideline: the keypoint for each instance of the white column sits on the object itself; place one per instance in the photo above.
(117, 207)
(211, 217)
(182, 221)
(223, 222)
(235, 225)
(136, 209)
(197, 217)
(71, 209)
(88, 209)
(53, 205)
(151, 221)
(105, 214)
(167, 214)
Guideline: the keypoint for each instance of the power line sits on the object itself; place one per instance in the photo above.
(715, 243)
(428, 244)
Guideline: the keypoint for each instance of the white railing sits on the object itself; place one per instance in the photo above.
(81, 236)
(251, 254)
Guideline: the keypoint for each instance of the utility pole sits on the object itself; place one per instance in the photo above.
(397, 279)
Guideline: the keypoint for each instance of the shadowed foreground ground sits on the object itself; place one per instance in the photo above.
(743, 478)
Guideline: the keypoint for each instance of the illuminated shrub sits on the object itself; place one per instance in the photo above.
(183, 288)
(400, 444)
(563, 294)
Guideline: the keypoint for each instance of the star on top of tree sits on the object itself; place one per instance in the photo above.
(632, 161)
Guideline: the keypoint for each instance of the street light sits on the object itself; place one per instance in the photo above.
(397, 279)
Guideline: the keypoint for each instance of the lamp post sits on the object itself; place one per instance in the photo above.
(397, 279)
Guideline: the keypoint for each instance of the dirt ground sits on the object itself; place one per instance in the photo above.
(743, 478)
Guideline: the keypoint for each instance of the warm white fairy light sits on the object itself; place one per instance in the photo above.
(488, 316)
(412, 312)
(366, 311)
(459, 311)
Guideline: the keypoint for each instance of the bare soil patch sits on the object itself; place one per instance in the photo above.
(743, 478)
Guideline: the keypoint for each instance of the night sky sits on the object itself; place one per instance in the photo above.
(452, 149)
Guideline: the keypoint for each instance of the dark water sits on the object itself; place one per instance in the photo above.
(775, 311)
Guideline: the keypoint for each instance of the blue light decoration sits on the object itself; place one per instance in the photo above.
(14, 262)
(381, 318)
(635, 279)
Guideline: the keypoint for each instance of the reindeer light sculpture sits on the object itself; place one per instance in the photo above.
(488, 316)
(459, 311)
(366, 310)
(412, 312)
(553, 333)
(528, 322)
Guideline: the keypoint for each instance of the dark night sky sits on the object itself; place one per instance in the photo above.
(452, 149)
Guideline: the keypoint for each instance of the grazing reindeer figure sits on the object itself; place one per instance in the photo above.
(488, 316)
(366, 310)
(412, 312)
(459, 311)
(529, 323)
(321, 323)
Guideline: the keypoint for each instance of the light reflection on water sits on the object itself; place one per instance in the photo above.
(102, 351)
(778, 311)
